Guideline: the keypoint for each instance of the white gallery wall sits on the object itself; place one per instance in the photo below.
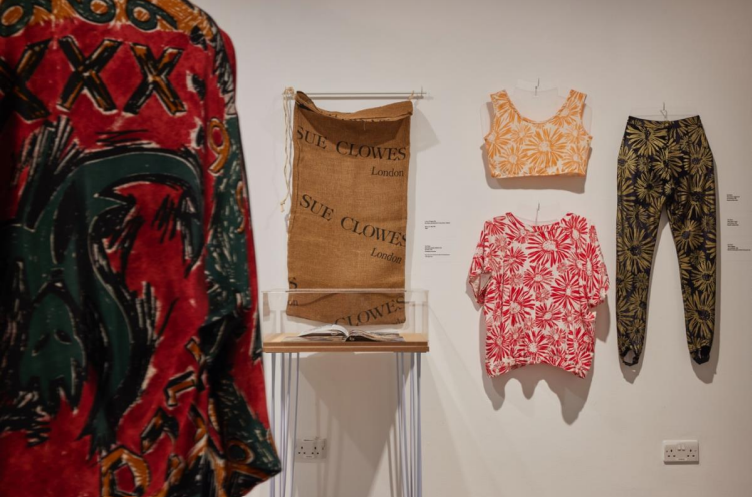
(537, 431)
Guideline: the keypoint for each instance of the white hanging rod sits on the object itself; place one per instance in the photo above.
(366, 95)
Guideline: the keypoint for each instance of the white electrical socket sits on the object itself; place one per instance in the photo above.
(681, 451)
(307, 449)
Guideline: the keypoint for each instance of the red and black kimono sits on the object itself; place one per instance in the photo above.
(130, 359)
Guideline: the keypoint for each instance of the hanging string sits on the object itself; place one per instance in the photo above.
(288, 100)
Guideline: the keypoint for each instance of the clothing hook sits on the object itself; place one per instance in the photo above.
(664, 112)
(536, 87)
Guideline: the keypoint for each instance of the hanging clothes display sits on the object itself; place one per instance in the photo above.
(130, 359)
(538, 284)
(666, 165)
(518, 146)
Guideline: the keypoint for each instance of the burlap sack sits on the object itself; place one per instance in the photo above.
(348, 222)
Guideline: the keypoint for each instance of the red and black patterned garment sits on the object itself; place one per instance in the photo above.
(130, 359)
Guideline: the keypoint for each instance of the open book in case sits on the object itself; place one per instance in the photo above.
(346, 320)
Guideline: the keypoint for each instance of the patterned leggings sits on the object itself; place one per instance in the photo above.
(666, 164)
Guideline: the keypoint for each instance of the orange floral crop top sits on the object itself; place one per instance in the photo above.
(518, 146)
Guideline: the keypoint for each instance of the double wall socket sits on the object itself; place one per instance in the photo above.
(681, 451)
(307, 449)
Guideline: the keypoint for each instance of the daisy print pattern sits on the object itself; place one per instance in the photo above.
(518, 146)
(538, 285)
(665, 165)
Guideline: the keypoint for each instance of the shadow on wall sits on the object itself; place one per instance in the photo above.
(706, 372)
(454, 383)
(424, 139)
(336, 381)
(574, 184)
(571, 390)
(359, 393)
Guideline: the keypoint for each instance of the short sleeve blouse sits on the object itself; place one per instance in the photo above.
(538, 285)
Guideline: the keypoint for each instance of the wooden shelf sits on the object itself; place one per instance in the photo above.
(275, 344)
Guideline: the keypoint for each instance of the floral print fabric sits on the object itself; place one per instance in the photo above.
(537, 285)
(518, 146)
(666, 164)
(130, 341)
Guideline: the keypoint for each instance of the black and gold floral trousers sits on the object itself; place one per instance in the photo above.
(666, 164)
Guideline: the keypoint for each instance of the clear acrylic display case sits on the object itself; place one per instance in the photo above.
(395, 310)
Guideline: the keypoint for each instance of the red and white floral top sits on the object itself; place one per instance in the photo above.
(542, 282)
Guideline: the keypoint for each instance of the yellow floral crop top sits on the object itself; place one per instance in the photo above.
(518, 146)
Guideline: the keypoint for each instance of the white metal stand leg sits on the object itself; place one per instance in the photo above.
(416, 420)
(401, 428)
(408, 426)
(420, 438)
(295, 423)
(275, 431)
(281, 422)
(283, 425)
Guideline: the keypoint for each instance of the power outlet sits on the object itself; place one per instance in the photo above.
(681, 451)
(307, 449)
